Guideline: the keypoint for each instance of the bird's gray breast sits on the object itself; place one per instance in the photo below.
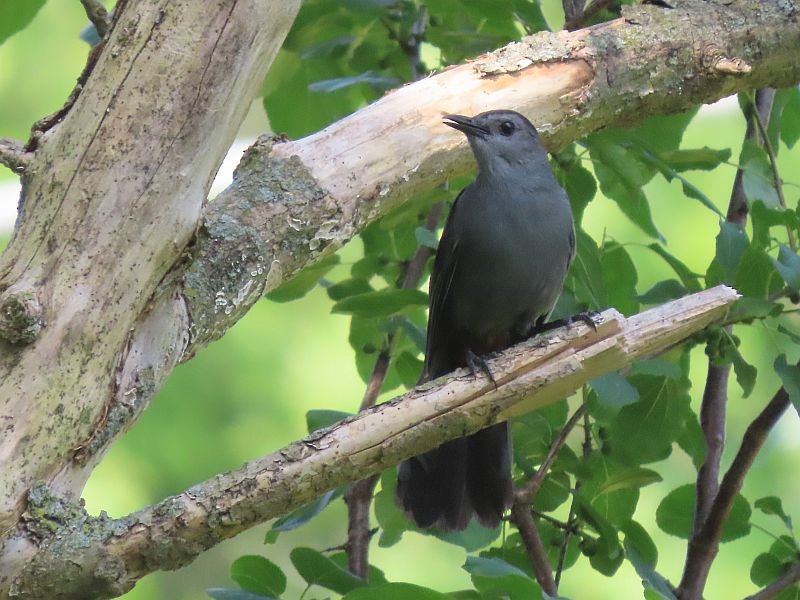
(512, 259)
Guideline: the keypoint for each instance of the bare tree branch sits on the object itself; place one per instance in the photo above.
(703, 547)
(13, 155)
(112, 554)
(98, 15)
(788, 579)
(522, 516)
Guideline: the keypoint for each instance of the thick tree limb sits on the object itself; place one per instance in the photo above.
(111, 197)
(703, 547)
(115, 553)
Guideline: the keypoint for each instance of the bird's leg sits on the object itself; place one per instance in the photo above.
(477, 364)
(587, 317)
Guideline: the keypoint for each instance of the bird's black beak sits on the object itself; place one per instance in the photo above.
(465, 125)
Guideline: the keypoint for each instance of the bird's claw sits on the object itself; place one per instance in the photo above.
(477, 364)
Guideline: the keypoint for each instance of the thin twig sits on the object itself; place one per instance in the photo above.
(98, 15)
(522, 516)
(13, 155)
(703, 547)
(761, 123)
(587, 451)
(771, 591)
(525, 493)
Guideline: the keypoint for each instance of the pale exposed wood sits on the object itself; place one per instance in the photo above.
(528, 376)
(651, 61)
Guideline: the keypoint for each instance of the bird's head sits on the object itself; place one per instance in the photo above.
(500, 139)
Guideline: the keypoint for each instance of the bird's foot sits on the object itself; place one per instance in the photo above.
(477, 364)
(589, 318)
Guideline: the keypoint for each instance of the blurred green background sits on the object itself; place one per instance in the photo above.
(247, 394)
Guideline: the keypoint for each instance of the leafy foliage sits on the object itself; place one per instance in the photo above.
(341, 55)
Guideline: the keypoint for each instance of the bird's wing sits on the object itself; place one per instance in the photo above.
(444, 269)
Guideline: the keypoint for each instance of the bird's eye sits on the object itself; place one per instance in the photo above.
(507, 128)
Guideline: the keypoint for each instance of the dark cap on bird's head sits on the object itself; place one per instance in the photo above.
(499, 138)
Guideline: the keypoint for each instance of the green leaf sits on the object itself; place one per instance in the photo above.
(669, 174)
(317, 418)
(396, 591)
(676, 511)
(606, 554)
(409, 368)
(644, 431)
(305, 513)
(621, 178)
(586, 272)
(788, 265)
(302, 283)
(381, 303)
(426, 237)
(581, 187)
(650, 578)
(731, 244)
(758, 182)
(375, 576)
(636, 537)
(493, 576)
(259, 575)
(692, 440)
(379, 82)
(636, 477)
(705, 158)
(15, 16)
(747, 309)
(347, 288)
(233, 594)
(392, 521)
(766, 568)
(613, 391)
(663, 291)
(790, 378)
(745, 372)
(317, 569)
(772, 505)
(473, 538)
(689, 279)
(554, 491)
(757, 276)
(790, 118)
(620, 278)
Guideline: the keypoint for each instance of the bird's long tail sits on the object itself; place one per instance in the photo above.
(466, 476)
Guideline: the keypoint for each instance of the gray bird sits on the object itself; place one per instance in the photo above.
(499, 271)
